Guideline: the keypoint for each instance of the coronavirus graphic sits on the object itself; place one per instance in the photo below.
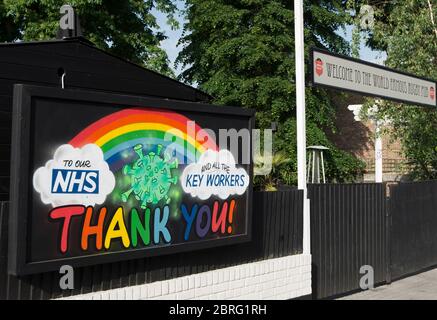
(150, 177)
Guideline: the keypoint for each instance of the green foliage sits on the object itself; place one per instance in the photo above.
(352, 6)
(126, 28)
(340, 165)
(242, 53)
(406, 31)
(271, 181)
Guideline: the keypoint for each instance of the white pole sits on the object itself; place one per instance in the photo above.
(378, 153)
(300, 118)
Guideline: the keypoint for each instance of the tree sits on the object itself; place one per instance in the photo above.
(407, 31)
(126, 28)
(242, 53)
(271, 181)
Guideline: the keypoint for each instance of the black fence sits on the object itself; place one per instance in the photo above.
(277, 231)
(352, 225)
(413, 210)
(348, 230)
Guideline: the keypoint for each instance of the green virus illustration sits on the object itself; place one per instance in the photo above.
(150, 177)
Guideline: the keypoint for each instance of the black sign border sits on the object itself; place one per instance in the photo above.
(20, 175)
(370, 64)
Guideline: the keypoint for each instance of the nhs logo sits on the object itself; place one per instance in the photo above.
(75, 181)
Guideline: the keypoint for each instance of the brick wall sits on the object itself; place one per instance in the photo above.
(358, 137)
(351, 136)
(391, 149)
(280, 278)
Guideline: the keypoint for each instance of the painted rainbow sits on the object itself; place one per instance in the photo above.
(118, 133)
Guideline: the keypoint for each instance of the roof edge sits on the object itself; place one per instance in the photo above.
(198, 93)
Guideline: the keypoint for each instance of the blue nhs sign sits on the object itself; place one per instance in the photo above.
(75, 181)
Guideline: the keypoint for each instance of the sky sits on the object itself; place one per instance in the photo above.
(173, 36)
(170, 44)
(366, 53)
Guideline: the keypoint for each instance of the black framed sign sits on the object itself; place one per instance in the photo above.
(99, 177)
(358, 76)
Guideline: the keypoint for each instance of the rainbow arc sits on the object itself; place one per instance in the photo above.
(118, 133)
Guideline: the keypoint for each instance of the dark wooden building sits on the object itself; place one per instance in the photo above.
(85, 67)
(89, 68)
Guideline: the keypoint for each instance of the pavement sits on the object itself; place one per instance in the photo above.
(422, 286)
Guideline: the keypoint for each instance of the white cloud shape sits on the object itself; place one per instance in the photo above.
(215, 173)
(76, 162)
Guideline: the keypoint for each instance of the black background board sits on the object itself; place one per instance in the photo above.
(44, 118)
